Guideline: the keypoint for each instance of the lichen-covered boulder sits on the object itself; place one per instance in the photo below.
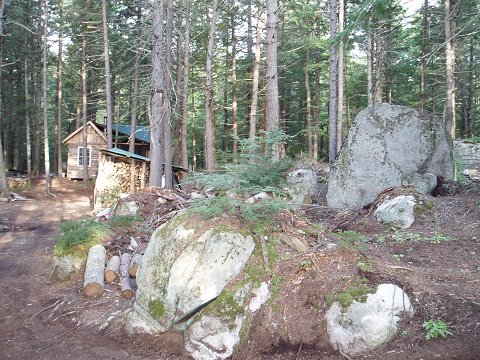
(365, 326)
(67, 266)
(385, 144)
(187, 265)
(301, 186)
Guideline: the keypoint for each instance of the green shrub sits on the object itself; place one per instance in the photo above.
(435, 329)
(123, 221)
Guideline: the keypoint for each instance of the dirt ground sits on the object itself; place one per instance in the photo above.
(45, 319)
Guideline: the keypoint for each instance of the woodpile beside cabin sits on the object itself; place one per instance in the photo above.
(96, 141)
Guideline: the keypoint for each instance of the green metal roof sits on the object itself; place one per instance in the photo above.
(119, 152)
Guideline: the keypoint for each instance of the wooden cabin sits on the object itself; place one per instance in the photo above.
(96, 140)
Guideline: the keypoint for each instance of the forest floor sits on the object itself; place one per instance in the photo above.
(46, 319)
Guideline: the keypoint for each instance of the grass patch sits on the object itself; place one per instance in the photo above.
(77, 236)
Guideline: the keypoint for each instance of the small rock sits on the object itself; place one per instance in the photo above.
(397, 211)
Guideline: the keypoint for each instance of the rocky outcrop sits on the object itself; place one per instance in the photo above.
(365, 326)
(385, 145)
(467, 154)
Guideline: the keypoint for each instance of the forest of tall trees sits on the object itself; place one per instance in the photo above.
(206, 75)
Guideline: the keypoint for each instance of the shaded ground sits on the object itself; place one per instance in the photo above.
(51, 320)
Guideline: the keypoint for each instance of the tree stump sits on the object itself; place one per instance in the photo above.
(94, 272)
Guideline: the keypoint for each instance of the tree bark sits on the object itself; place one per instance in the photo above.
(369, 62)
(113, 269)
(83, 80)
(423, 60)
(158, 97)
(125, 284)
(209, 114)
(186, 69)
(308, 99)
(234, 89)
(27, 122)
(94, 272)
(272, 105)
(256, 75)
(4, 191)
(46, 146)
(134, 265)
(59, 97)
(471, 87)
(378, 61)
(341, 75)
(108, 90)
(167, 125)
(449, 114)
(136, 81)
(332, 107)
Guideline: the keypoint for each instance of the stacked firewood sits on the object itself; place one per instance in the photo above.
(121, 270)
(122, 176)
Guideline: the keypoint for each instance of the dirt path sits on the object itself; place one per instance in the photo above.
(41, 319)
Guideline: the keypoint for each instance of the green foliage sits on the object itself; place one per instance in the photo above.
(356, 291)
(459, 177)
(435, 329)
(401, 236)
(438, 237)
(123, 221)
(156, 308)
(77, 236)
(255, 173)
(350, 238)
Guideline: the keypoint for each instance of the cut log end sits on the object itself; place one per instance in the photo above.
(93, 290)
(110, 276)
(133, 271)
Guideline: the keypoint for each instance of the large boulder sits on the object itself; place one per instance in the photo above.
(187, 265)
(385, 145)
(367, 325)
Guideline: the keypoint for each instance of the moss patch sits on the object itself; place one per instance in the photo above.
(156, 308)
(356, 291)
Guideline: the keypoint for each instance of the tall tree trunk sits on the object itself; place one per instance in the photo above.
(272, 105)
(158, 97)
(83, 81)
(186, 69)
(387, 54)
(471, 87)
(317, 150)
(378, 61)
(341, 75)
(136, 80)
(177, 129)
(209, 115)
(234, 89)
(308, 104)
(369, 62)
(3, 180)
(256, 75)
(108, 90)
(27, 122)
(59, 97)
(332, 107)
(167, 110)
(449, 114)
(423, 60)
(45, 113)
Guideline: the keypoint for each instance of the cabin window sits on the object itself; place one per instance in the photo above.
(80, 155)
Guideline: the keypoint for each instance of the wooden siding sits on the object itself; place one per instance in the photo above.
(95, 142)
